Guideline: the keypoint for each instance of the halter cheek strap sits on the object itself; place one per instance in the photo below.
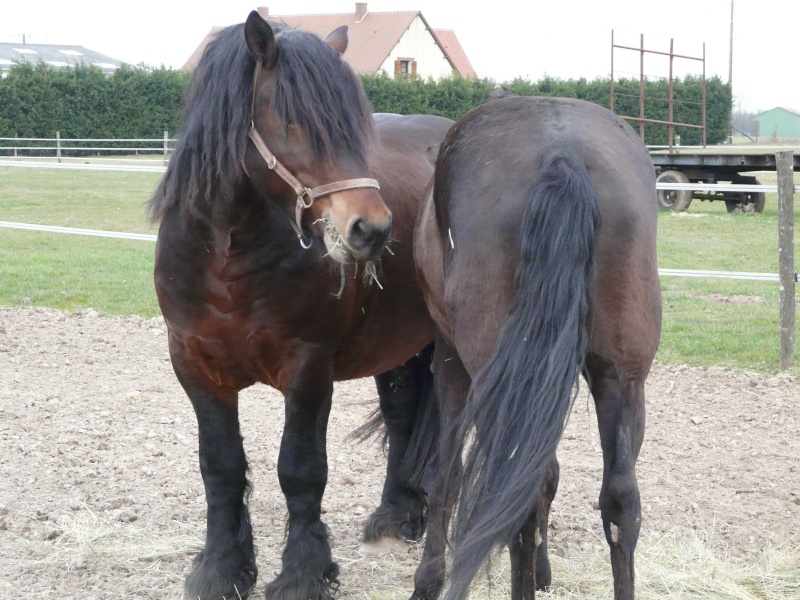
(305, 195)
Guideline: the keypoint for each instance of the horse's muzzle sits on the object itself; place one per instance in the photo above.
(367, 238)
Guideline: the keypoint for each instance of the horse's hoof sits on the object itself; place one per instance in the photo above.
(304, 584)
(402, 518)
(383, 547)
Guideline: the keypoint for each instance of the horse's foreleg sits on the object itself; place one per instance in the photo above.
(227, 565)
(308, 572)
(451, 386)
(528, 549)
(402, 513)
(620, 416)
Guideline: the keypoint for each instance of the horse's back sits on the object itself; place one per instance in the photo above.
(488, 163)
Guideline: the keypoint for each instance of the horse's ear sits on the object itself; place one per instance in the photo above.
(337, 39)
(260, 39)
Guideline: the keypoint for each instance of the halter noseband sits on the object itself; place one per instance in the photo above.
(305, 195)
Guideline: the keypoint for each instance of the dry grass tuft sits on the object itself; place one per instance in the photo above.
(677, 565)
(146, 562)
(96, 552)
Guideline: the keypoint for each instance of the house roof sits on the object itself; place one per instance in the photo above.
(448, 40)
(55, 55)
(789, 110)
(371, 36)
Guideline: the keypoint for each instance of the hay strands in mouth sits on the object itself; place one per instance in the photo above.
(337, 241)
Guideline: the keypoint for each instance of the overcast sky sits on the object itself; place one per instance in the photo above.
(503, 39)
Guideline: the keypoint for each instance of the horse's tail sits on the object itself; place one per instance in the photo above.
(419, 462)
(423, 445)
(520, 400)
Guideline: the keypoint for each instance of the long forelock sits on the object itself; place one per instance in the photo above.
(314, 89)
(213, 131)
(318, 92)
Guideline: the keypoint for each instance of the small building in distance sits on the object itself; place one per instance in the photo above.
(399, 43)
(55, 55)
(778, 123)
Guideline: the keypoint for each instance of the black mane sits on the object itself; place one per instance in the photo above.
(313, 88)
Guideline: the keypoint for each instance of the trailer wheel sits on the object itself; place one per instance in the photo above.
(678, 200)
(748, 201)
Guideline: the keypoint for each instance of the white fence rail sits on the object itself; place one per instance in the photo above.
(29, 164)
(77, 231)
(785, 189)
(59, 146)
(152, 238)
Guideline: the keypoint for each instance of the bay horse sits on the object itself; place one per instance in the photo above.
(272, 266)
(536, 252)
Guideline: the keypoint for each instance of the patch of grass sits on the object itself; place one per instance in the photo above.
(706, 321)
(71, 272)
(111, 201)
(721, 322)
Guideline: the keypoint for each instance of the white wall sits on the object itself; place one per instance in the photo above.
(418, 44)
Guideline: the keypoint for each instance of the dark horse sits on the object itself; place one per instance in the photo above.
(268, 268)
(537, 256)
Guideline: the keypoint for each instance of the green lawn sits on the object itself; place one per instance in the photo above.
(706, 321)
(111, 200)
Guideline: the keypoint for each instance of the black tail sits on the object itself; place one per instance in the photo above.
(419, 462)
(421, 454)
(521, 398)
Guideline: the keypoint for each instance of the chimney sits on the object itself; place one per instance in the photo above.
(264, 12)
(361, 11)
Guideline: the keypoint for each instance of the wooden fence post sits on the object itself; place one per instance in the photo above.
(783, 164)
(166, 149)
(58, 145)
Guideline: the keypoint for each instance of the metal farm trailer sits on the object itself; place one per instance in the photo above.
(702, 166)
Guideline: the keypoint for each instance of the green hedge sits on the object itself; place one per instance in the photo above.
(82, 102)
(454, 97)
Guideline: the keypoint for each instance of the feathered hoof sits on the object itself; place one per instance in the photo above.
(301, 584)
(383, 547)
(403, 519)
(223, 579)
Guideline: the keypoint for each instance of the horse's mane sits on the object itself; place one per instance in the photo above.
(314, 89)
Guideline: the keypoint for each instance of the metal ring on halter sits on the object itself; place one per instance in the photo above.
(307, 193)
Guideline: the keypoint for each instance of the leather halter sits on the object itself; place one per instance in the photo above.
(305, 195)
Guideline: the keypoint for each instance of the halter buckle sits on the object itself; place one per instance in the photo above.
(306, 193)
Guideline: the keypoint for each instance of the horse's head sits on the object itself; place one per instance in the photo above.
(311, 129)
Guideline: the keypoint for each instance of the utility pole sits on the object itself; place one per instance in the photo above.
(730, 73)
(730, 54)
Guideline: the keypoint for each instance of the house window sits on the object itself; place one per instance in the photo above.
(405, 68)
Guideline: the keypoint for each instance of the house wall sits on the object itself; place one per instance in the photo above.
(778, 123)
(418, 44)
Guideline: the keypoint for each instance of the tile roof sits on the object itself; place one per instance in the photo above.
(371, 36)
(56, 55)
(452, 47)
(369, 41)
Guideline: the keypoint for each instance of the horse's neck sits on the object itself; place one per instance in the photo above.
(247, 215)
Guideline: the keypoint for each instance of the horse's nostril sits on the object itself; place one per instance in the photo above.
(366, 236)
(360, 228)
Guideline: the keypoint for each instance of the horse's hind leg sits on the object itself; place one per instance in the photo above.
(401, 515)
(226, 567)
(451, 386)
(528, 549)
(620, 416)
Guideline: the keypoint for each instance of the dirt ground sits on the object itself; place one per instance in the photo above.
(101, 497)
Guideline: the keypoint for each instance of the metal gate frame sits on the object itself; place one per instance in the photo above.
(670, 99)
